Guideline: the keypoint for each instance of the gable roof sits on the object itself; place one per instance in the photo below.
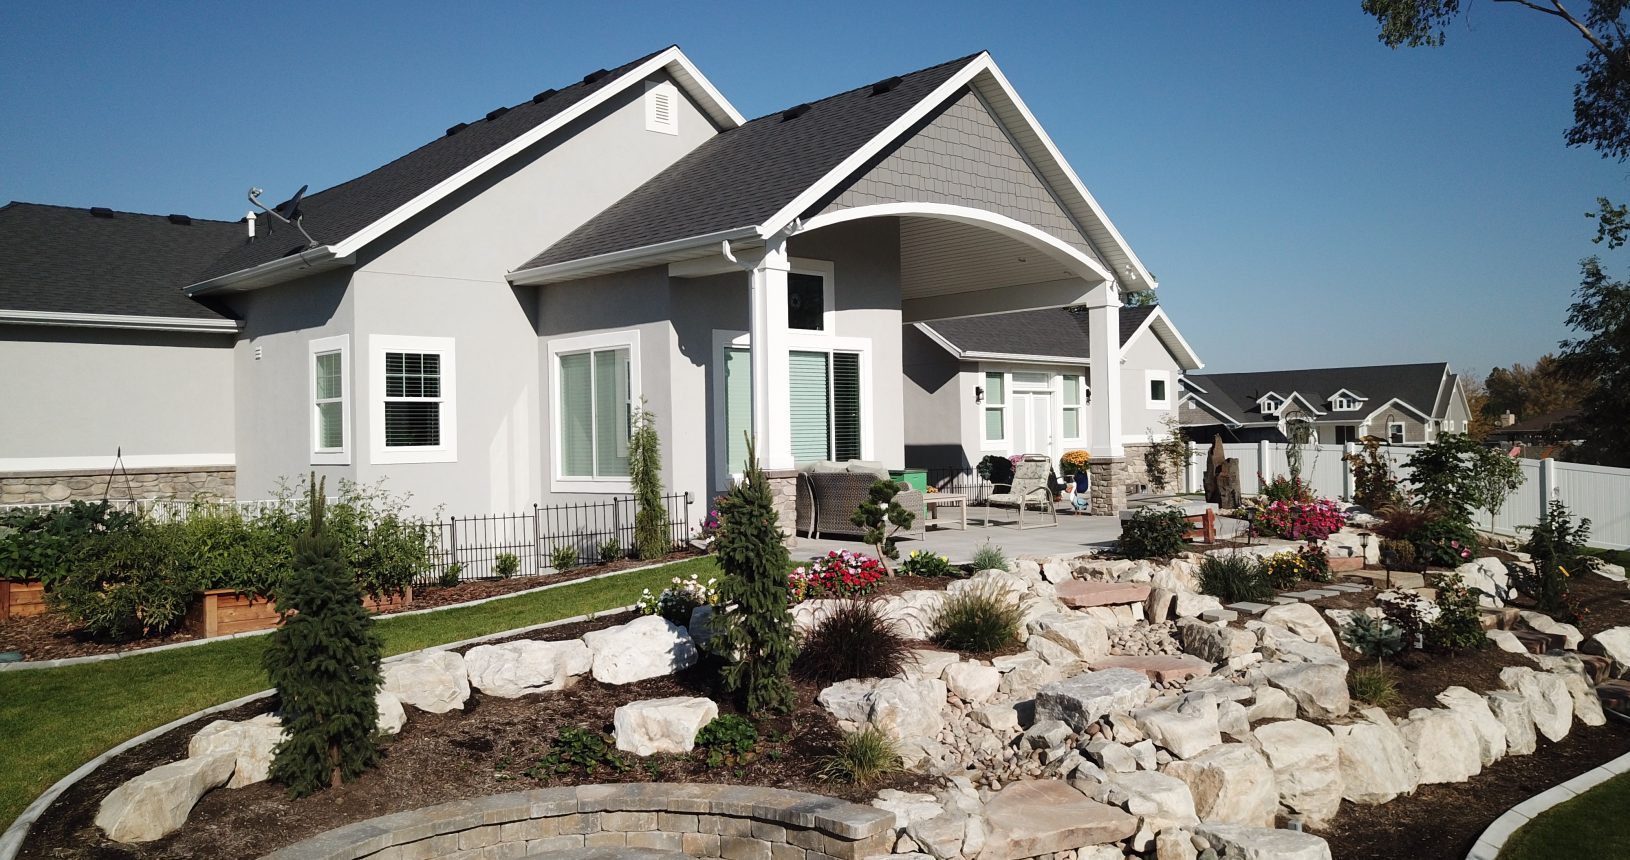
(742, 177)
(1417, 385)
(344, 217)
(1044, 335)
(58, 262)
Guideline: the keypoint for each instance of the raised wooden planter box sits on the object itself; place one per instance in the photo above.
(21, 599)
(223, 612)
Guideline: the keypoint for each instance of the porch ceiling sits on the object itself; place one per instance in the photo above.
(940, 257)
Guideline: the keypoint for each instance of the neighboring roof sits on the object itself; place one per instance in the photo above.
(63, 260)
(1046, 334)
(1417, 385)
(741, 177)
(1539, 424)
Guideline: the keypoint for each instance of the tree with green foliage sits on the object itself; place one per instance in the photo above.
(756, 626)
(1531, 391)
(1457, 476)
(324, 662)
(1601, 98)
(1557, 545)
(882, 519)
(651, 539)
(1601, 310)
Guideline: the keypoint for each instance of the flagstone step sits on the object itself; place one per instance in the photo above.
(1080, 594)
(1160, 668)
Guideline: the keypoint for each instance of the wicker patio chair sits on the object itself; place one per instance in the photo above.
(1029, 487)
(826, 501)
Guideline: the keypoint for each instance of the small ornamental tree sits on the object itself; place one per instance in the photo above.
(756, 627)
(1457, 476)
(645, 474)
(1557, 545)
(882, 519)
(324, 661)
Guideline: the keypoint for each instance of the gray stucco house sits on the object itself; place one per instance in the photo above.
(476, 320)
(1403, 404)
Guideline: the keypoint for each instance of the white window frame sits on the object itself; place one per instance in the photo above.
(653, 91)
(797, 340)
(1006, 406)
(628, 339)
(1403, 432)
(1080, 406)
(340, 344)
(447, 451)
(1344, 404)
(1270, 404)
(1149, 378)
(826, 271)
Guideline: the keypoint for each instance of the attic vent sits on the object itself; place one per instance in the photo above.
(496, 113)
(455, 129)
(795, 112)
(180, 219)
(101, 212)
(591, 77)
(541, 97)
(661, 107)
(885, 85)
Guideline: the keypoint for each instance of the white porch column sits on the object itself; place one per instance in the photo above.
(1104, 371)
(772, 376)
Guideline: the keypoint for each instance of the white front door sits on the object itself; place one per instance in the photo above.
(1033, 423)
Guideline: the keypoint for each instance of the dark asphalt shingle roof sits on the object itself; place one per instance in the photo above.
(742, 176)
(66, 260)
(334, 214)
(1056, 332)
(1416, 384)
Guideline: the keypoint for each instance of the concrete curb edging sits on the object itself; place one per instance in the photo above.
(11, 841)
(1493, 838)
(194, 643)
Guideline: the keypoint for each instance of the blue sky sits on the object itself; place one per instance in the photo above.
(1305, 195)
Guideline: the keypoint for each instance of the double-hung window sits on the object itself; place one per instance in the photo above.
(1395, 432)
(995, 407)
(825, 405)
(1072, 405)
(596, 391)
(414, 419)
(330, 400)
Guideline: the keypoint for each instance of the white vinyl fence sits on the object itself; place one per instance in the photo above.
(1598, 493)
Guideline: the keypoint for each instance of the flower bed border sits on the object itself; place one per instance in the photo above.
(24, 599)
(1492, 840)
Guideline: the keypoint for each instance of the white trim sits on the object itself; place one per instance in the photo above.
(1170, 338)
(671, 60)
(1149, 378)
(1079, 263)
(628, 258)
(1403, 432)
(1080, 406)
(1222, 417)
(323, 346)
(984, 404)
(628, 339)
(654, 91)
(447, 451)
(104, 462)
(125, 321)
(1401, 403)
(318, 259)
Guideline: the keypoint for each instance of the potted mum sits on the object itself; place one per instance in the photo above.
(1074, 465)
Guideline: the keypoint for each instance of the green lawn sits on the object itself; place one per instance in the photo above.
(54, 720)
(1590, 825)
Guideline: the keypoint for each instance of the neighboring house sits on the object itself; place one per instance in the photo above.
(1538, 437)
(1017, 383)
(476, 321)
(1404, 404)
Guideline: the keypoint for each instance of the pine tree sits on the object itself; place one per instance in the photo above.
(881, 519)
(651, 537)
(758, 628)
(324, 661)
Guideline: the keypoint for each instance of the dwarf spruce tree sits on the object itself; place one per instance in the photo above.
(651, 539)
(324, 661)
(881, 519)
(757, 626)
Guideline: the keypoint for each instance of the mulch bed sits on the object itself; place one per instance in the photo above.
(437, 758)
(53, 636)
(1440, 822)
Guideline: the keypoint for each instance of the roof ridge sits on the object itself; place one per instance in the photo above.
(775, 114)
(1325, 369)
(87, 209)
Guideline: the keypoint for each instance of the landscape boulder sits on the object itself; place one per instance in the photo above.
(1231, 784)
(1376, 762)
(1157, 798)
(250, 742)
(510, 670)
(1232, 842)
(1303, 620)
(1306, 765)
(904, 709)
(156, 803)
(1614, 644)
(432, 681)
(1490, 578)
(1082, 635)
(391, 715)
(1319, 689)
(1491, 737)
(1571, 637)
(1039, 817)
(1186, 727)
(647, 647)
(1511, 709)
(1081, 700)
(1549, 702)
(1444, 743)
(973, 683)
(662, 725)
(912, 613)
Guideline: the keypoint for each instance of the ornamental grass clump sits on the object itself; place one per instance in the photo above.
(1377, 639)
(861, 758)
(756, 627)
(977, 619)
(1233, 578)
(989, 557)
(854, 640)
(324, 661)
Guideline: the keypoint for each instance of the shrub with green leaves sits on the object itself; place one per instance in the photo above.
(37, 543)
(854, 640)
(989, 557)
(563, 558)
(610, 550)
(924, 563)
(580, 751)
(1233, 578)
(1557, 545)
(861, 758)
(756, 627)
(1153, 532)
(1458, 476)
(1458, 626)
(506, 565)
(450, 575)
(977, 619)
(881, 519)
(728, 739)
(1373, 637)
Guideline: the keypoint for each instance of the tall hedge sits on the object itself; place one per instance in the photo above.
(324, 661)
(651, 538)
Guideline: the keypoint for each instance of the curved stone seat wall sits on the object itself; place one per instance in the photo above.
(737, 822)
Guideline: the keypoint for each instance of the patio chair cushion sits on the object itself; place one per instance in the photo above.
(867, 467)
(825, 467)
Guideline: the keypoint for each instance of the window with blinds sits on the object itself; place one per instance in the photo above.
(825, 406)
(329, 395)
(995, 407)
(413, 399)
(1072, 406)
(596, 413)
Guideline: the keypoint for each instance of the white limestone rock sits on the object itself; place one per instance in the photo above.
(1083, 636)
(647, 647)
(1490, 577)
(1271, 703)
(1613, 644)
(1506, 641)
(1444, 743)
(1587, 706)
(391, 715)
(509, 670)
(1304, 621)
(250, 742)
(849, 701)
(1263, 843)
(1157, 798)
(1376, 762)
(666, 725)
(908, 806)
(1231, 784)
(1189, 604)
(1001, 718)
(972, 682)
(1306, 766)
(808, 614)
(929, 663)
(157, 803)
(1546, 624)
(1186, 728)
(902, 709)
(1081, 700)
(432, 681)
(1511, 709)
(1549, 702)
(913, 612)
(1491, 737)
(1319, 689)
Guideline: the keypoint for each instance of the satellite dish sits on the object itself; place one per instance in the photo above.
(290, 208)
(288, 211)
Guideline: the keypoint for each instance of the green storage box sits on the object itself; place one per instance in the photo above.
(917, 479)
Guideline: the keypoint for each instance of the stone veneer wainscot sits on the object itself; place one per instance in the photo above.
(183, 485)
